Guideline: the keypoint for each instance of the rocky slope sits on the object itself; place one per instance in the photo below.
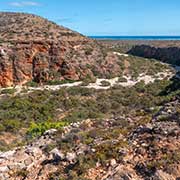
(150, 151)
(166, 51)
(169, 55)
(35, 49)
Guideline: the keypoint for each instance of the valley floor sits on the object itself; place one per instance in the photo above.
(128, 81)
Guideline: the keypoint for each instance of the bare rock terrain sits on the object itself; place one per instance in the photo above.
(35, 49)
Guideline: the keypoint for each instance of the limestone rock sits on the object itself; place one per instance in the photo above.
(35, 49)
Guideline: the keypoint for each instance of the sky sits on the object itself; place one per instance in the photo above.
(106, 17)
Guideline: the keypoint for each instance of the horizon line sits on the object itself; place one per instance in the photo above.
(134, 35)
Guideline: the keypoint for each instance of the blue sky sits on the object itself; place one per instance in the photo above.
(106, 17)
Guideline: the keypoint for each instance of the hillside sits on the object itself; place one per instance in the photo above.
(28, 27)
(165, 51)
(167, 54)
(35, 49)
(72, 108)
(81, 133)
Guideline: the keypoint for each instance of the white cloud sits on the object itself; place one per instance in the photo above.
(24, 3)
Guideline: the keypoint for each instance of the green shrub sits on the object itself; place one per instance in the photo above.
(81, 91)
(21, 173)
(122, 79)
(105, 83)
(38, 129)
(8, 91)
(31, 84)
(88, 79)
(88, 51)
(59, 82)
(140, 86)
(12, 125)
(2, 128)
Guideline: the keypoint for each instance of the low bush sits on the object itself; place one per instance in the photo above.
(31, 84)
(59, 82)
(105, 83)
(8, 91)
(122, 79)
(12, 125)
(38, 129)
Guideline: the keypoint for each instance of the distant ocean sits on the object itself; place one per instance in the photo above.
(136, 37)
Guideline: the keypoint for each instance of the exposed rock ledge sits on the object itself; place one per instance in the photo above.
(169, 55)
(35, 49)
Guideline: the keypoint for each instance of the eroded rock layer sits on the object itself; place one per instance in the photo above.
(169, 55)
(35, 49)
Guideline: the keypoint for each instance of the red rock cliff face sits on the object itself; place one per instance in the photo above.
(34, 49)
(24, 62)
(169, 55)
(42, 61)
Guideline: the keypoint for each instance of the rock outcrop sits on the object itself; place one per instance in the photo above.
(169, 55)
(39, 159)
(152, 152)
(35, 49)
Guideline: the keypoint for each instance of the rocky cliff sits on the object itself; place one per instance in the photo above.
(169, 55)
(35, 49)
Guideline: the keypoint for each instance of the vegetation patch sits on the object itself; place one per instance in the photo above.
(59, 82)
(38, 129)
(105, 83)
(8, 91)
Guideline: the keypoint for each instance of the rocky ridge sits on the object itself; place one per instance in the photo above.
(165, 54)
(35, 49)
